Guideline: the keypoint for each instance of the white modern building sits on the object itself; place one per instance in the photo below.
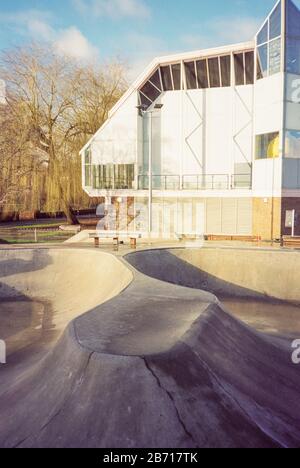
(209, 141)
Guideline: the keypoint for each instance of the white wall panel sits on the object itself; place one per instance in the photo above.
(267, 177)
(268, 104)
(117, 140)
(242, 124)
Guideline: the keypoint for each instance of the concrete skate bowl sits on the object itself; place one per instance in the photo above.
(260, 287)
(158, 365)
(41, 291)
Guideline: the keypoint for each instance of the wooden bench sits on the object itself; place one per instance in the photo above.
(224, 237)
(115, 237)
(189, 236)
(289, 241)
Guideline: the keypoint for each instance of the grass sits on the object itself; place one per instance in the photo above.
(37, 226)
(44, 237)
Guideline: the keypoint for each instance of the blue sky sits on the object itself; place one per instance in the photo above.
(134, 30)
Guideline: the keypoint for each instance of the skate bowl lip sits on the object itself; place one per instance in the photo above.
(201, 342)
(22, 286)
(142, 332)
(234, 290)
(140, 280)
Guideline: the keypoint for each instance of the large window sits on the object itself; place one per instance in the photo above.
(267, 146)
(113, 176)
(239, 69)
(214, 72)
(201, 73)
(166, 78)
(274, 56)
(293, 39)
(225, 63)
(244, 68)
(292, 144)
(249, 67)
(88, 167)
(176, 72)
(262, 61)
(275, 22)
(150, 91)
(190, 73)
(269, 45)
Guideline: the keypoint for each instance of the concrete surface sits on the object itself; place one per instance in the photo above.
(51, 287)
(147, 364)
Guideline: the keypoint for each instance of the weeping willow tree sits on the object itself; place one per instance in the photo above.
(15, 155)
(53, 106)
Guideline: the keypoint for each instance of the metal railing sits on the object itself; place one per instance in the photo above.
(113, 184)
(206, 182)
(217, 182)
(174, 182)
(241, 181)
(159, 182)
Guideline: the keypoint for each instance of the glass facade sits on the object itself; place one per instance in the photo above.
(113, 176)
(239, 69)
(293, 39)
(225, 64)
(292, 104)
(268, 41)
(214, 72)
(292, 144)
(202, 73)
(88, 167)
(275, 56)
(190, 74)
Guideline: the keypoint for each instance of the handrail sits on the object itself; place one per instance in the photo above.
(173, 182)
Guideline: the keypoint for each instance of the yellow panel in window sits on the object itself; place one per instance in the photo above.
(273, 148)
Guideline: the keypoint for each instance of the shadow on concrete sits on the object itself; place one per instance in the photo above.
(17, 266)
(164, 266)
(212, 387)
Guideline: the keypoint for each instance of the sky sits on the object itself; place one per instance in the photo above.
(134, 31)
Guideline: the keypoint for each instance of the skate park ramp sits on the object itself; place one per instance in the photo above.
(153, 364)
(42, 290)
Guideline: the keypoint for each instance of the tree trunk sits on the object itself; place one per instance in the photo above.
(71, 217)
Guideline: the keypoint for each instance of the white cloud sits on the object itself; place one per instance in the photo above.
(141, 50)
(29, 21)
(113, 8)
(223, 32)
(73, 43)
(36, 25)
(40, 29)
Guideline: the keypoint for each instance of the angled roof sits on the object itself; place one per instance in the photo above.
(165, 60)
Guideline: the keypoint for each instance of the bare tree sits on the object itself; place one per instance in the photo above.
(14, 146)
(63, 104)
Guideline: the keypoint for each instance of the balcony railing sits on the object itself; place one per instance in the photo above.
(160, 182)
(196, 182)
(173, 182)
(113, 184)
(241, 181)
(206, 182)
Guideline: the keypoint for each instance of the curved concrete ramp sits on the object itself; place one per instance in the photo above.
(245, 273)
(42, 290)
(156, 366)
